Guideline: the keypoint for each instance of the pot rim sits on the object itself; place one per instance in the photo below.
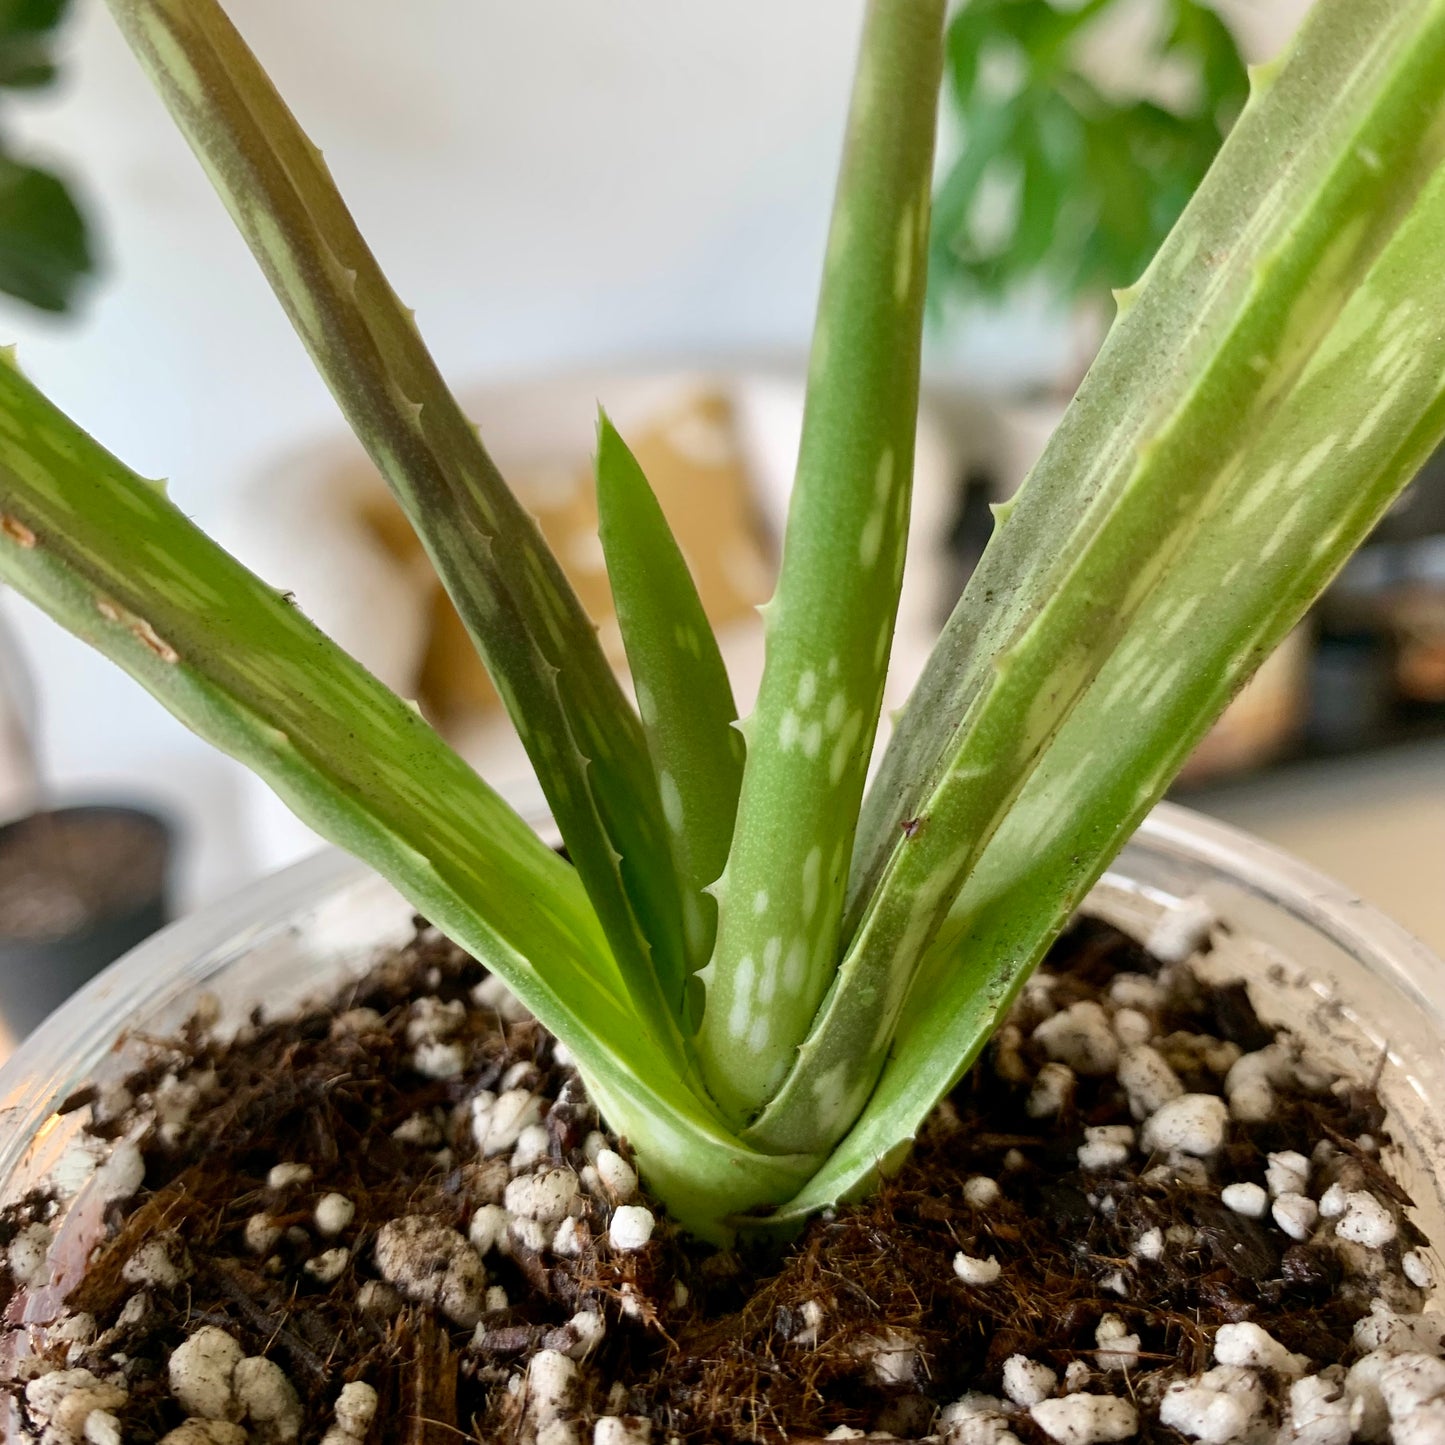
(86, 1026)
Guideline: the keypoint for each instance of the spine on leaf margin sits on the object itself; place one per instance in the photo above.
(829, 626)
(583, 739)
(1274, 383)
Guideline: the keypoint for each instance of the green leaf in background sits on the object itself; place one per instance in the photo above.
(45, 247)
(1055, 178)
(680, 679)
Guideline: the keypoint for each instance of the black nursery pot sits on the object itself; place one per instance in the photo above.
(78, 887)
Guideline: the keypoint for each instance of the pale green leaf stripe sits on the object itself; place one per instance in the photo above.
(110, 558)
(829, 626)
(1345, 432)
(583, 739)
(680, 679)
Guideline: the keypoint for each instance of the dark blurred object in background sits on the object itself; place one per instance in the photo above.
(45, 247)
(78, 888)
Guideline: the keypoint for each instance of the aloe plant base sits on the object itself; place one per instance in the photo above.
(859, 1354)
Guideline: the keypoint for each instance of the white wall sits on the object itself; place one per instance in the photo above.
(547, 182)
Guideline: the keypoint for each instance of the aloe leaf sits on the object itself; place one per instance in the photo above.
(582, 736)
(830, 622)
(680, 679)
(1264, 395)
(109, 557)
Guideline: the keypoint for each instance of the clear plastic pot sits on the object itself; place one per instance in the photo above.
(1366, 995)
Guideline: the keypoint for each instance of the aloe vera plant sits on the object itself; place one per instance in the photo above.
(767, 977)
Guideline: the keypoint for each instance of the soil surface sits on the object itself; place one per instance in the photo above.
(64, 871)
(407, 1189)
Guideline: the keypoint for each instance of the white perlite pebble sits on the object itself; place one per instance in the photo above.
(1136, 990)
(432, 1265)
(123, 1173)
(1115, 1282)
(1332, 1202)
(1365, 1221)
(266, 1397)
(1417, 1269)
(622, 1430)
(201, 1371)
(1076, 1377)
(1252, 1346)
(1193, 1124)
(29, 1256)
(1105, 1146)
(1249, 1084)
(1249, 1200)
(975, 1420)
(1287, 1172)
(356, 1408)
(153, 1264)
(1148, 1079)
(497, 1123)
(1214, 1416)
(1086, 1419)
(357, 1021)
(260, 1235)
(1132, 1028)
(328, 1266)
(1181, 931)
(1408, 1381)
(1396, 1334)
(976, 1271)
(571, 1238)
(1051, 1091)
(547, 1195)
(284, 1176)
(64, 1400)
(1319, 1413)
(1027, 1381)
(488, 1227)
(421, 1130)
(616, 1175)
(1118, 1348)
(529, 1235)
(981, 1192)
(102, 1428)
(1081, 1038)
(1296, 1214)
(589, 1329)
(435, 1059)
(206, 1432)
(1150, 1244)
(333, 1213)
(1423, 1426)
(1368, 1416)
(631, 1227)
(551, 1385)
(533, 1145)
(430, 1019)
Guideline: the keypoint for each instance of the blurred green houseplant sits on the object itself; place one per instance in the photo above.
(1062, 180)
(45, 248)
(767, 974)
